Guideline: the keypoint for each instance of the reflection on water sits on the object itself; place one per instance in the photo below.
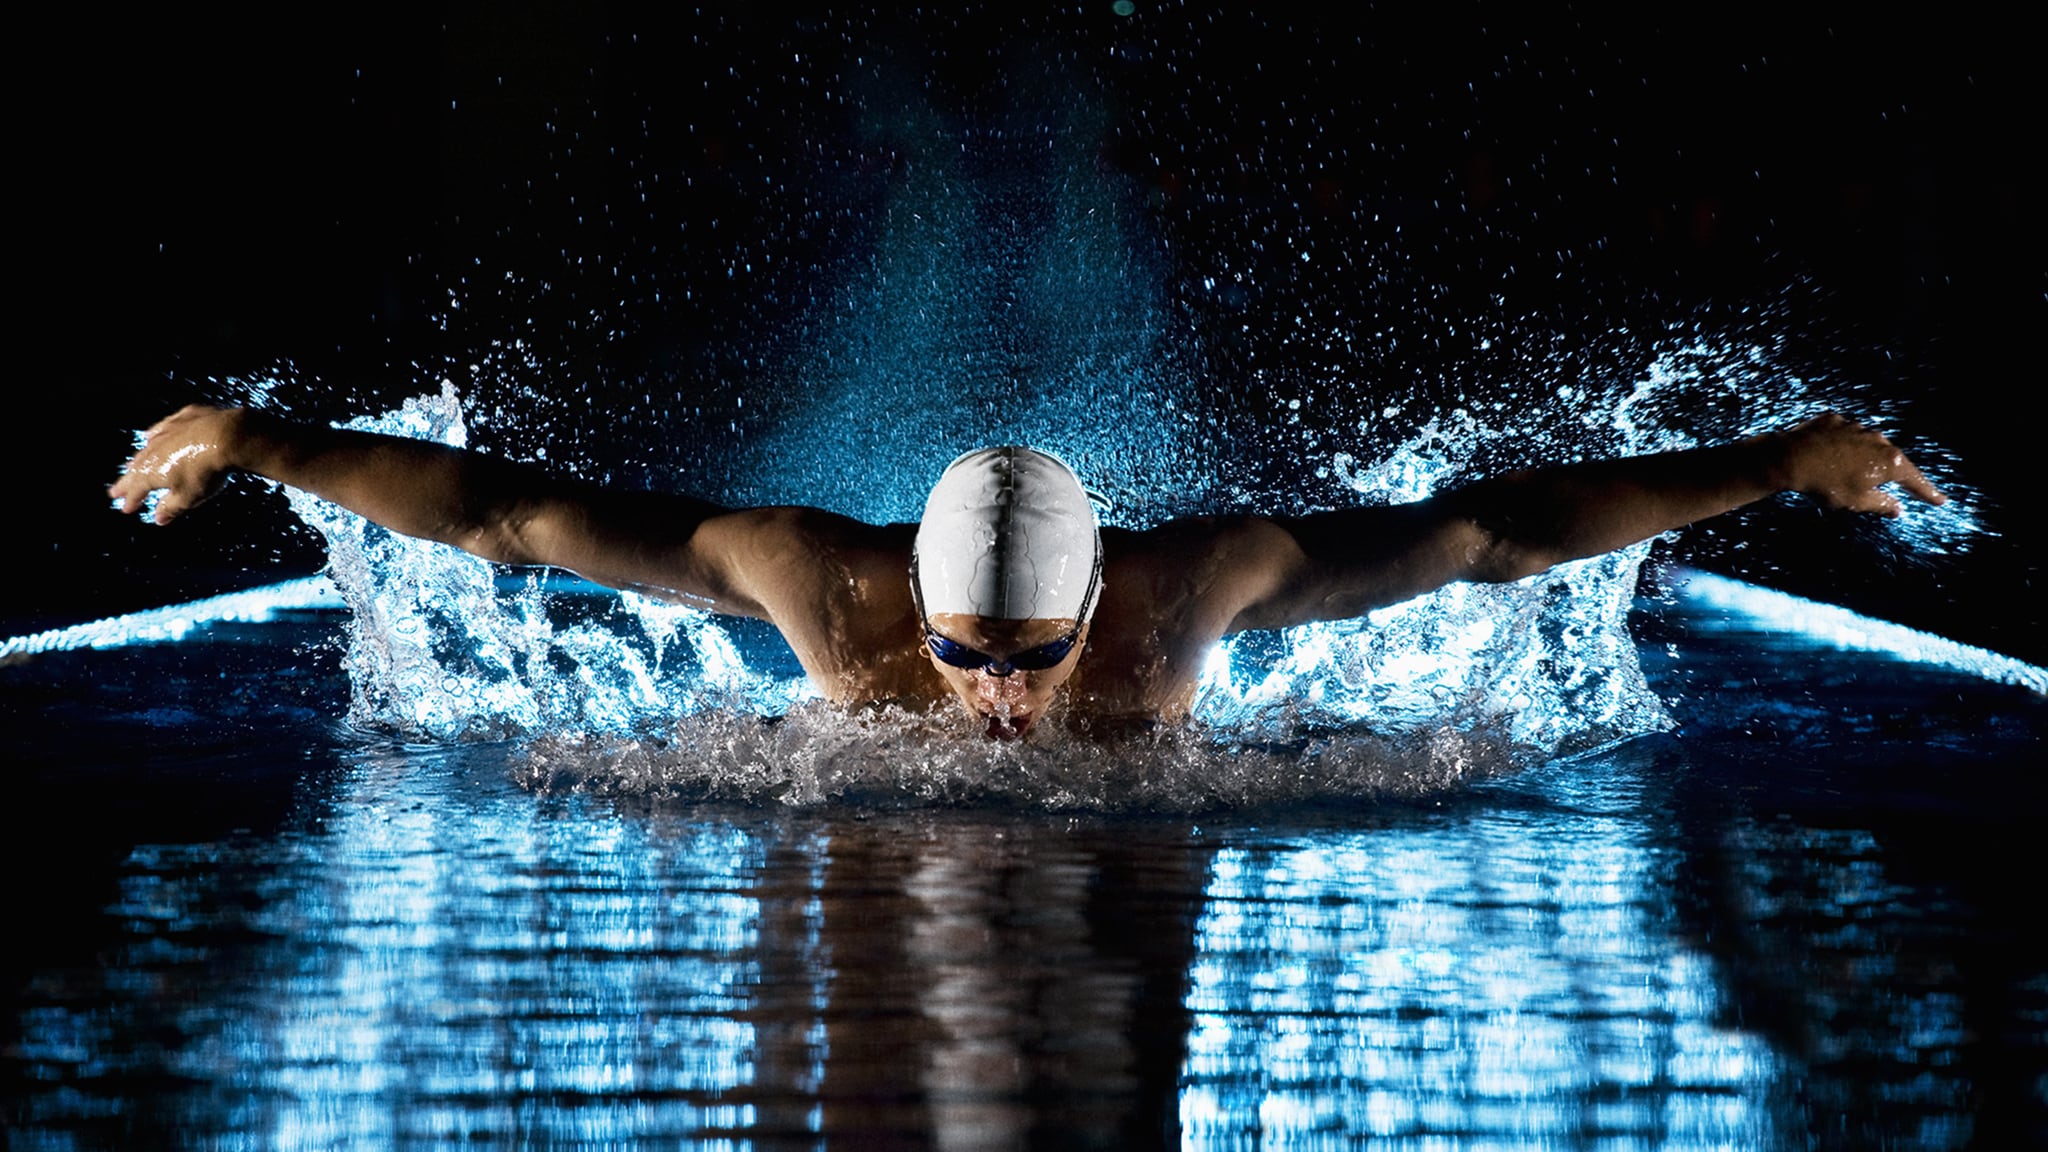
(1789, 925)
(1509, 977)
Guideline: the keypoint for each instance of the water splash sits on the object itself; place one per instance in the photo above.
(1548, 663)
(435, 648)
(1005, 289)
(1000, 286)
(884, 757)
(1478, 676)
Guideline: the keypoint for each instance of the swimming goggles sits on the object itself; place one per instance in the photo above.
(954, 654)
(958, 655)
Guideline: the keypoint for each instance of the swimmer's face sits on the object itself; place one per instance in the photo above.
(1007, 705)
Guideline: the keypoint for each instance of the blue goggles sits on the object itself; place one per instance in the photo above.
(952, 652)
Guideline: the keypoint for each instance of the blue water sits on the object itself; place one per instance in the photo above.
(497, 860)
(504, 859)
(1789, 920)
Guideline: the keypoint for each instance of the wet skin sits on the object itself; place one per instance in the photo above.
(1007, 705)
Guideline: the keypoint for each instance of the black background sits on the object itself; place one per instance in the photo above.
(218, 194)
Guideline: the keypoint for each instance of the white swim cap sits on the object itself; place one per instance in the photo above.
(1008, 533)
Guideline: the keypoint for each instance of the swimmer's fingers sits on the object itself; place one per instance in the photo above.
(1908, 476)
(1890, 466)
(128, 492)
(132, 491)
(140, 476)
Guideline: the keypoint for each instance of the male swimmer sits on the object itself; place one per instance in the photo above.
(1007, 592)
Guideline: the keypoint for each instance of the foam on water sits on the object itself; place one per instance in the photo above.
(884, 757)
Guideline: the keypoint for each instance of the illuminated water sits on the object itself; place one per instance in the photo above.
(1486, 869)
(496, 861)
(1792, 923)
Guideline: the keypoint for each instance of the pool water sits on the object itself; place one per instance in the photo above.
(1804, 918)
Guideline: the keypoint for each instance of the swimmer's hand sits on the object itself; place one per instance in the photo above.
(187, 456)
(1841, 464)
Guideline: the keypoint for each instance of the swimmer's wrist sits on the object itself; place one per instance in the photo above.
(256, 442)
(1773, 462)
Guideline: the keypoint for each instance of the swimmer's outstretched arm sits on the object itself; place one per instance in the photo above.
(1342, 564)
(500, 510)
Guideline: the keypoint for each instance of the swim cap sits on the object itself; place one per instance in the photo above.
(1008, 533)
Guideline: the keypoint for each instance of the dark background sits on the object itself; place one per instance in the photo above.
(361, 201)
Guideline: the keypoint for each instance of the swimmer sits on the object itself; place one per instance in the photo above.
(1007, 597)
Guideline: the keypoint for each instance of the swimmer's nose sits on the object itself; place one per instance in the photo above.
(998, 688)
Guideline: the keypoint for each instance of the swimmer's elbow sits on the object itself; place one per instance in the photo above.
(519, 535)
(486, 542)
(1488, 556)
(652, 547)
(496, 545)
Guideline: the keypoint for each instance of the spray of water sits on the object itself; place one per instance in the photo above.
(1003, 289)
(626, 693)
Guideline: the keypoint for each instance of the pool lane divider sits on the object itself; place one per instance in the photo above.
(1772, 611)
(174, 622)
(1765, 608)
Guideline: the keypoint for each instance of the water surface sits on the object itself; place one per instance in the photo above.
(1792, 922)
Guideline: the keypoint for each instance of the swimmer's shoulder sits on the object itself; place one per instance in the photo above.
(790, 564)
(785, 540)
(1186, 536)
(1203, 556)
(1190, 582)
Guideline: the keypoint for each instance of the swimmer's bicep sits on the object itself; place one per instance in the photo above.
(673, 547)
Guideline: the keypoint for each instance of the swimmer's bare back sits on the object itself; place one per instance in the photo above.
(839, 589)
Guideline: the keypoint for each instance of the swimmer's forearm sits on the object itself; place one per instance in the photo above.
(1535, 519)
(1513, 526)
(1338, 565)
(431, 491)
(664, 545)
(1530, 521)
